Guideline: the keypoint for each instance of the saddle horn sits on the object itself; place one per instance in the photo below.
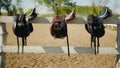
(33, 15)
(105, 13)
(70, 16)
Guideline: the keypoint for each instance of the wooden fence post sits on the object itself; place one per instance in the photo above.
(3, 41)
(118, 46)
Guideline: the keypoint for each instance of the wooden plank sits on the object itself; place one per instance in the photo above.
(0, 60)
(1, 41)
(118, 46)
(82, 20)
(58, 49)
(8, 19)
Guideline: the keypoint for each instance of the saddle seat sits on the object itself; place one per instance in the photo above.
(59, 27)
(22, 28)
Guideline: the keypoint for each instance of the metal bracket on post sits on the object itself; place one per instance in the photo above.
(118, 46)
(3, 41)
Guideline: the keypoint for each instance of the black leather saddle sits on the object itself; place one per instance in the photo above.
(95, 26)
(22, 27)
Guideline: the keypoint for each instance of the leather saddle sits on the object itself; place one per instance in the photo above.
(95, 25)
(22, 27)
(59, 25)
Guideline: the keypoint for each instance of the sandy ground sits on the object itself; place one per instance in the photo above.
(78, 36)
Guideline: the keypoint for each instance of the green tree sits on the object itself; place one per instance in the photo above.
(94, 9)
(7, 6)
(56, 5)
(18, 2)
(98, 6)
(1, 5)
(20, 10)
(14, 10)
(29, 11)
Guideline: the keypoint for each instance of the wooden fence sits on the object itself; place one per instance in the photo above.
(46, 49)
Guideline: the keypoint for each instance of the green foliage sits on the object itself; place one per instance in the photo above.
(4, 14)
(85, 10)
(29, 11)
(20, 10)
(1, 5)
(68, 7)
(115, 15)
(11, 9)
(45, 15)
(57, 5)
(7, 6)
(18, 2)
(96, 10)
(14, 10)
